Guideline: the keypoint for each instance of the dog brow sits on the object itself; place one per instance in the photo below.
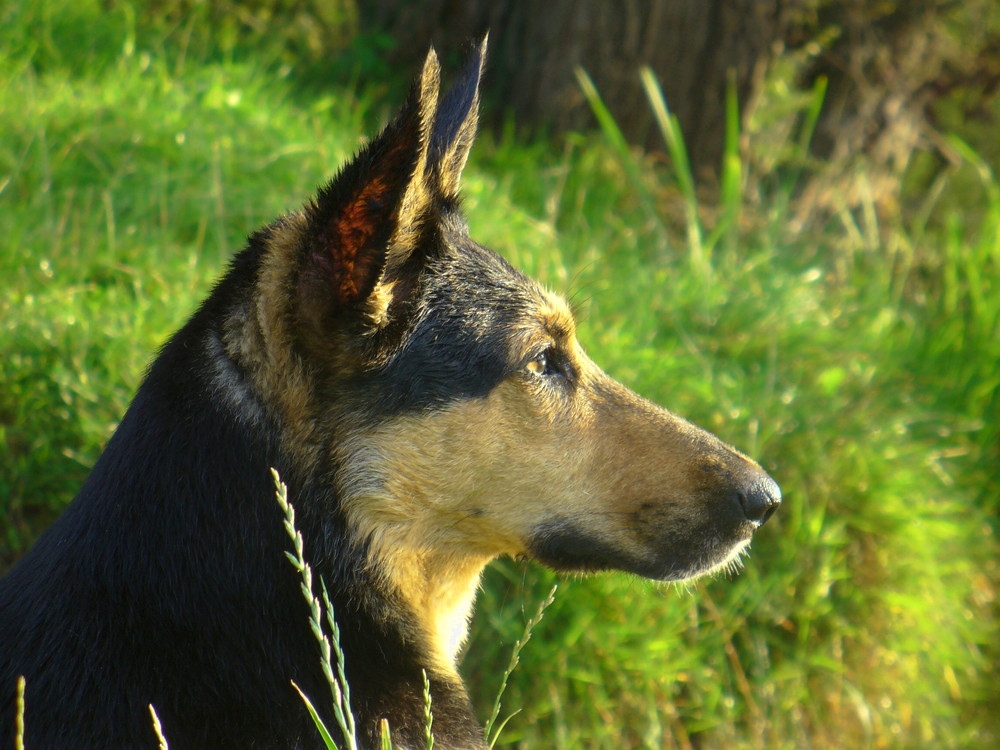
(557, 319)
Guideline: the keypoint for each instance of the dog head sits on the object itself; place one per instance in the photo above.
(449, 398)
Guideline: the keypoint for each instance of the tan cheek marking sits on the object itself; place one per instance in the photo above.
(436, 476)
(439, 495)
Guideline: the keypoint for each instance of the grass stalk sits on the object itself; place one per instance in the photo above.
(511, 665)
(385, 736)
(428, 714)
(158, 729)
(19, 717)
(670, 129)
(338, 683)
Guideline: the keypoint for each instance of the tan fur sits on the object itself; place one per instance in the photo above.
(262, 340)
(378, 304)
(438, 495)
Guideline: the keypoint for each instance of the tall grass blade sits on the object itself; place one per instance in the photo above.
(338, 683)
(979, 164)
(385, 735)
(731, 184)
(323, 731)
(800, 157)
(158, 729)
(512, 664)
(19, 717)
(811, 116)
(670, 129)
(616, 138)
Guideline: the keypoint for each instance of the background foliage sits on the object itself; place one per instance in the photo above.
(853, 352)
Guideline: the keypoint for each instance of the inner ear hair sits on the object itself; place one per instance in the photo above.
(379, 303)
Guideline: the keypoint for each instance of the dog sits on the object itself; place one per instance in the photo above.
(430, 409)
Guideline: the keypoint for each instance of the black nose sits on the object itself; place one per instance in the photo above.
(760, 499)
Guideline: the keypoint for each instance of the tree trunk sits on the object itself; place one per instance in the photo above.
(886, 65)
(889, 67)
(535, 47)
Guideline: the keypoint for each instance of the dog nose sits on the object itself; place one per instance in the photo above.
(760, 499)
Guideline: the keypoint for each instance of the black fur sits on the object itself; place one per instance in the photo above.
(165, 581)
(457, 345)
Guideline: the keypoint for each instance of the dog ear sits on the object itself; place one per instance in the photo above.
(372, 215)
(368, 230)
(456, 123)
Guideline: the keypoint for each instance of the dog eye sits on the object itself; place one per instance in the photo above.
(542, 364)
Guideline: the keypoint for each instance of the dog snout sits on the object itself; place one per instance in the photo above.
(759, 498)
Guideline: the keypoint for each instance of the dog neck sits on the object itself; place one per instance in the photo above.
(403, 612)
(439, 591)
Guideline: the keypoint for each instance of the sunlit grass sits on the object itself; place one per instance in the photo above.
(855, 358)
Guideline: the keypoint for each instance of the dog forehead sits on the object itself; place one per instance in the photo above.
(476, 291)
(471, 280)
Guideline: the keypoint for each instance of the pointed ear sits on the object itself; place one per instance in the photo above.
(456, 123)
(375, 206)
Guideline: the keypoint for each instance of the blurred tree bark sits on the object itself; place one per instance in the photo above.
(886, 64)
(889, 67)
(534, 48)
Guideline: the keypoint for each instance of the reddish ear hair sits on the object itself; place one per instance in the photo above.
(379, 199)
(368, 229)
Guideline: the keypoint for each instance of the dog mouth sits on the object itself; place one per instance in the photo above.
(669, 536)
(727, 560)
(673, 555)
(688, 562)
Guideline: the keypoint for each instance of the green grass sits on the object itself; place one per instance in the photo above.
(855, 357)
